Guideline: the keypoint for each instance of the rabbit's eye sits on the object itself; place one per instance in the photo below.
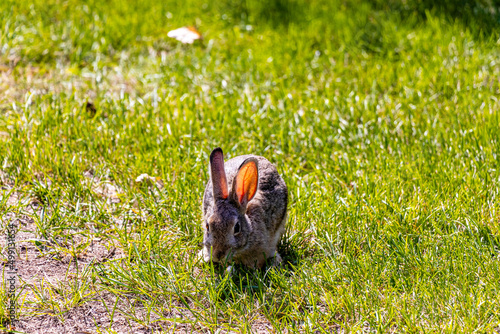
(207, 226)
(237, 228)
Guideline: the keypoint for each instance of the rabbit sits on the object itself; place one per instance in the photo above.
(244, 210)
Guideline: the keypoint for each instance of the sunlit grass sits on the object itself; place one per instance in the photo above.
(384, 127)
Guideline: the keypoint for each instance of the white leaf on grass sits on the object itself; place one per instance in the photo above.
(186, 35)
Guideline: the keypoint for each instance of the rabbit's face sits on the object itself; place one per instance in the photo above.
(225, 226)
(225, 234)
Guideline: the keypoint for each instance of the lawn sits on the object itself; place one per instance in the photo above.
(382, 118)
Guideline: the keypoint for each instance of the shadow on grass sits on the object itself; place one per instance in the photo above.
(276, 13)
(480, 16)
(293, 250)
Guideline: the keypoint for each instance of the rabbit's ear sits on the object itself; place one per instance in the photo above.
(246, 181)
(218, 174)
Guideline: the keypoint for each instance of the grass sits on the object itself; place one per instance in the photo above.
(384, 127)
